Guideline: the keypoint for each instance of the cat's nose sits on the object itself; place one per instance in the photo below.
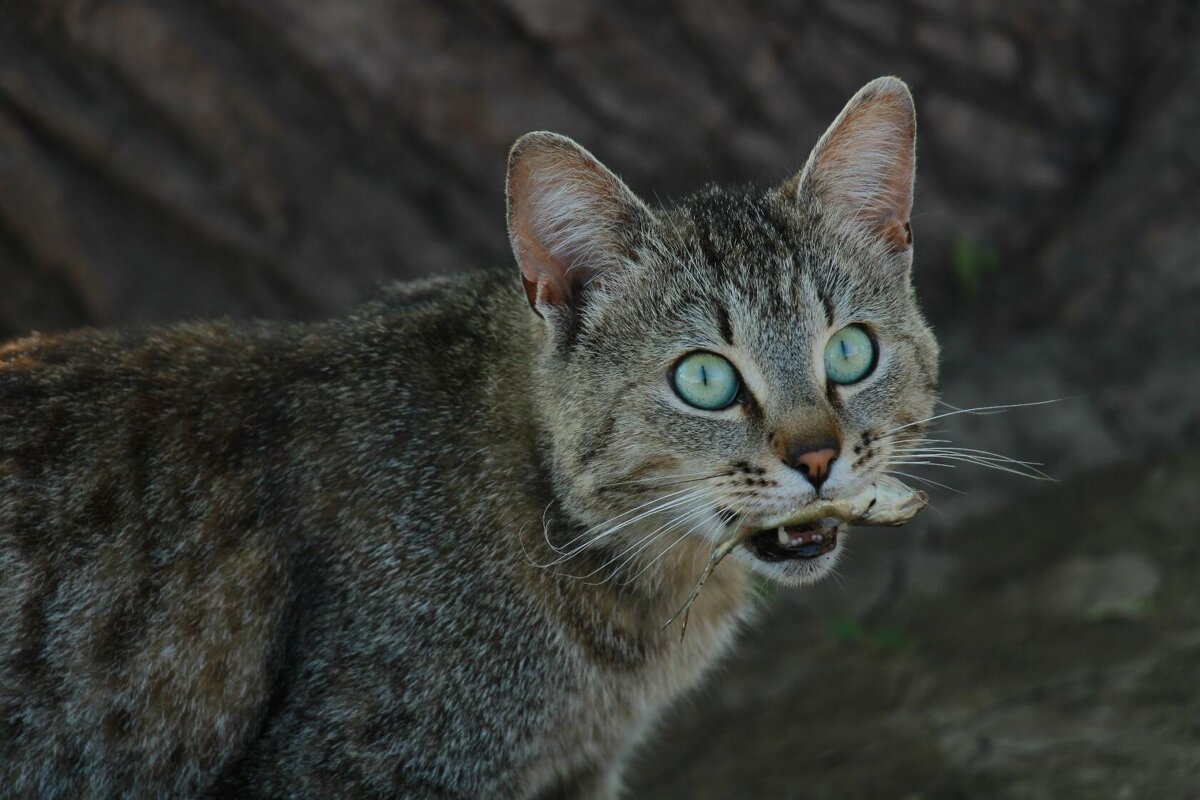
(811, 459)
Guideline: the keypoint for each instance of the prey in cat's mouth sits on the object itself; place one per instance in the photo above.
(880, 504)
(812, 531)
(805, 534)
(795, 542)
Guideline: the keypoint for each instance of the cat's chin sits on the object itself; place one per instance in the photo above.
(794, 557)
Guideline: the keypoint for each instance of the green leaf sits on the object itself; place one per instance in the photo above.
(885, 639)
(973, 260)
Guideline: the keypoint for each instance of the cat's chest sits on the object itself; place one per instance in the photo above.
(687, 657)
(610, 704)
(642, 667)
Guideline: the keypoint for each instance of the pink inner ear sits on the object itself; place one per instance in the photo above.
(565, 215)
(543, 277)
(864, 164)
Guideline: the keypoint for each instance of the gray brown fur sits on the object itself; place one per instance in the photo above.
(303, 560)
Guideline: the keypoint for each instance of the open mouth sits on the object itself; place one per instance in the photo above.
(795, 542)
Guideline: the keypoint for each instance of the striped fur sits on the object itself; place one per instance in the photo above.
(427, 550)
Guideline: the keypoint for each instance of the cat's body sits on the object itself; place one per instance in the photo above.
(428, 550)
(227, 550)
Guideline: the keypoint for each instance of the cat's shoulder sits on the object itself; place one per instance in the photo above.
(474, 310)
(445, 294)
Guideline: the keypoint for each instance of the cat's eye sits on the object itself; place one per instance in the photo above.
(706, 380)
(850, 355)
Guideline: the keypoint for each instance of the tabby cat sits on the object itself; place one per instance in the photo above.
(427, 550)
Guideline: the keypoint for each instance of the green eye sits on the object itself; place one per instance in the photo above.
(850, 355)
(705, 380)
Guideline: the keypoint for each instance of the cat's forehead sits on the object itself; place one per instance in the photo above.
(737, 226)
(767, 279)
(765, 260)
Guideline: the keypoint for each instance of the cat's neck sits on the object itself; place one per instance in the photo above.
(620, 617)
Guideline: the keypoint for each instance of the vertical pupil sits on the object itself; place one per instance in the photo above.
(703, 375)
(845, 350)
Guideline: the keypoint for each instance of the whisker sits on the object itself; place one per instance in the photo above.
(980, 410)
(911, 461)
(1027, 469)
(650, 478)
(632, 550)
(1032, 473)
(646, 542)
(609, 521)
(936, 453)
(704, 518)
(939, 452)
(923, 479)
(704, 478)
(981, 413)
(984, 454)
(686, 496)
(675, 503)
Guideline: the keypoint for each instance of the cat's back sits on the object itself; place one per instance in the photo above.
(142, 581)
(157, 493)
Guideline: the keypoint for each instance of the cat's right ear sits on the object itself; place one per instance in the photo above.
(568, 218)
(862, 169)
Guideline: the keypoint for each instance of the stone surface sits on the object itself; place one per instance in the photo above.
(1117, 586)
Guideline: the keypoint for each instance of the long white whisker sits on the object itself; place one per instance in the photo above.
(666, 550)
(686, 495)
(703, 519)
(611, 520)
(972, 457)
(984, 454)
(658, 509)
(1033, 475)
(981, 410)
(943, 450)
(1018, 467)
(923, 479)
(638, 545)
(911, 460)
(618, 555)
(630, 552)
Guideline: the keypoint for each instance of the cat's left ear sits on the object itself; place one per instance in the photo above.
(862, 169)
(568, 220)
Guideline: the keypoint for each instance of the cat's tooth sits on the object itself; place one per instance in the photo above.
(784, 539)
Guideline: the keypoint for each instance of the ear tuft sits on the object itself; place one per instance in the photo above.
(863, 167)
(567, 216)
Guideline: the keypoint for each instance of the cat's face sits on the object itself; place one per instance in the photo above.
(722, 363)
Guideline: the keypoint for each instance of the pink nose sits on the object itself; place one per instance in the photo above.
(812, 461)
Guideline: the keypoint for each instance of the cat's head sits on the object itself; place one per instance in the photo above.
(723, 362)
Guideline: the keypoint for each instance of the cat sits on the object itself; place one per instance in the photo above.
(428, 550)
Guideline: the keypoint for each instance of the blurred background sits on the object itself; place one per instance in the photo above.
(170, 159)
